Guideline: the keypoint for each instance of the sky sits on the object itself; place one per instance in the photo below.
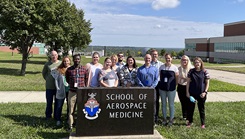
(158, 23)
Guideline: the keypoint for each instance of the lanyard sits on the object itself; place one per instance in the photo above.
(147, 72)
(167, 66)
(77, 76)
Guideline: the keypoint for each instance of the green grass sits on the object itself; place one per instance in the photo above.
(33, 80)
(223, 120)
(26, 121)
(219, 86)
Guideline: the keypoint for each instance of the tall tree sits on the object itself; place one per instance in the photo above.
(163, 51)
(57, 23)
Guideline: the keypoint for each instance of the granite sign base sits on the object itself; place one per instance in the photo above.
(156, 135)
(115, 111)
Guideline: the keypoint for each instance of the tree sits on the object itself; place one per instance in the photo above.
(173, 54)
(139, 53)
(149, 51)
(163, 51)
(57, 23)
(128, 53)
(181, 53)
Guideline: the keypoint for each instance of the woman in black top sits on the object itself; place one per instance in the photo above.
(196, 89)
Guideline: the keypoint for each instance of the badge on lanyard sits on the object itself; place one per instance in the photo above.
(146, 81)
(75, 84)
(77, 76)
(165, 79)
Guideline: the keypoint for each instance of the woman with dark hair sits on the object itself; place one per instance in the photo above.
(167, 89)
(196, 89)
(107, 76)
(128, 73)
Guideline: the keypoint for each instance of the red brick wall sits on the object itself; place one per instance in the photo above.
(34, 50)
(202, 47)
(211, 47)
(234, 30)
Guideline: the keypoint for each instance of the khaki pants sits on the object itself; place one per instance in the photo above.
(72, 98)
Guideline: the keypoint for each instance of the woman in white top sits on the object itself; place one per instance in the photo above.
(185, 66)
(93, 69)
(107, 76)
(167, 88)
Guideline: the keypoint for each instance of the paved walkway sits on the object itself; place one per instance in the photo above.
(39, 96)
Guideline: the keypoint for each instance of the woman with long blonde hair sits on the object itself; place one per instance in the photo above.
(185, 66)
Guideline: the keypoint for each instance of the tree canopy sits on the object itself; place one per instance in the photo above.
(56, 23)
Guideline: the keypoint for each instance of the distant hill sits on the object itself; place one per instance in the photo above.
(134, 50)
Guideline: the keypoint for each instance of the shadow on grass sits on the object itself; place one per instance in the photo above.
(19, 62)
(39, 123)
(15, 72)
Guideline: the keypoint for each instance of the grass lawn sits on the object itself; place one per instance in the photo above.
(26, 120)
(33, 80)
(223, 120)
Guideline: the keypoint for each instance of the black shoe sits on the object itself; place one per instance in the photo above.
(69, 129)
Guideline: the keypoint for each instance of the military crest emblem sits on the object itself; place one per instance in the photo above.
(91, 107)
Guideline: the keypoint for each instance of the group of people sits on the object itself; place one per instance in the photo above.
(63, 79)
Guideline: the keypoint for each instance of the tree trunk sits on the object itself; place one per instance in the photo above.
(24, 62)
(26, 47)
(23, 65)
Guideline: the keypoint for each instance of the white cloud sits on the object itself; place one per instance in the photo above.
(143, 31)
(238, 1)
(113, 29)
(162, 4)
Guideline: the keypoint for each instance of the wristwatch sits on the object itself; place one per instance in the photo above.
(206, 92)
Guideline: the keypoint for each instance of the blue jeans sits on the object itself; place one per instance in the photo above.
(171, 96)
(58, 104)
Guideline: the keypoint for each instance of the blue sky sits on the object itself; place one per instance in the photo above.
(158, 23)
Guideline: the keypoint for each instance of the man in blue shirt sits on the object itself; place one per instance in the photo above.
(148, 76)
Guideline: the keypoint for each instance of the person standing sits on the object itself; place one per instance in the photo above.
(114, 66)
(93, 68)
(76, 76)
(63, 86)
(148, 76)
(128, 73)
(155, 62)
(167, 89)
(107, 76)
(185, 66)
(50, 86)
(196, 89)
(120, 62)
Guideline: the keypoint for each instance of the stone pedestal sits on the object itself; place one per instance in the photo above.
(115, 111)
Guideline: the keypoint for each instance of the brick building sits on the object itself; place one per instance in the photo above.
(225, 49)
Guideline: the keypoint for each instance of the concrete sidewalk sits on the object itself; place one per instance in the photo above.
(39, 96)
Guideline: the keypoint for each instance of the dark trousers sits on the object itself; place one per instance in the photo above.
(201, 109)
(58, 104)
(157, 96)
(67, 106)
(181, 89)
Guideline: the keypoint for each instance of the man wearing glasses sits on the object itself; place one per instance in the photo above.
(155, 62)
(120, 62)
